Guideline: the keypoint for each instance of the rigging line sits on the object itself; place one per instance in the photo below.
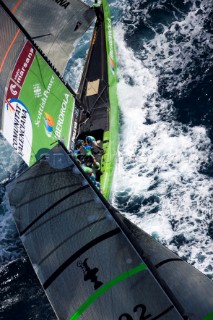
(51, 94)
(78, 253)
(41, 36)
(100, 98)
(39, 65)
(51, 207)
(106, 287)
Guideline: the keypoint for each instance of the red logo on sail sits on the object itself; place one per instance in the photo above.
(9, 106)
(20, 70)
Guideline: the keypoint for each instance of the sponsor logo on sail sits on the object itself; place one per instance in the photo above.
(112, 65)
(20, 71)
(23, 64)
(37, 90)
(49, 123)
(13, 89)
(90, 273)
(43, 102)
(19, 117)
(9, 106)
(75, 127)
(61, 117)
(111, 51)
(63, 3)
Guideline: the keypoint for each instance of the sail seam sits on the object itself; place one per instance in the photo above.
(51, 207)
(78, 253)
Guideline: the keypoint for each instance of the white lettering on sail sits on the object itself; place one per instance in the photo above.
(61, 117)
(43, 102)
(75, 127)
(21, 72)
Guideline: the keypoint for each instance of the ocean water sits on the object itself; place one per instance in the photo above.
(164, 172)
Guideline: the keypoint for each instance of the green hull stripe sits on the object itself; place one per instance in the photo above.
(110, 156)
(106, 287)
(209, 316)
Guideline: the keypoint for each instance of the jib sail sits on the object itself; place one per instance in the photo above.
(55, 25)
(86, 262)
(36, 107)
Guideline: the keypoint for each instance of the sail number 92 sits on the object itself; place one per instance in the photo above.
(141, 308)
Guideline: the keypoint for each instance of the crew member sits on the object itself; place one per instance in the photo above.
(91, 141)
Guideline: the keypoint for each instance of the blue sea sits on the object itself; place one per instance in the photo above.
(164, 172)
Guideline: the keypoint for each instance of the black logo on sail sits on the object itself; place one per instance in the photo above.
(62, 3)
(89, 274)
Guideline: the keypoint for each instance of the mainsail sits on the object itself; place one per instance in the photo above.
(55, 25)
(36, 106)
(91, 262)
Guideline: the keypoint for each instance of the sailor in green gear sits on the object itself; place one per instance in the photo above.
(91, 141)
(96, 165)
(88, 151)
(87, 170)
